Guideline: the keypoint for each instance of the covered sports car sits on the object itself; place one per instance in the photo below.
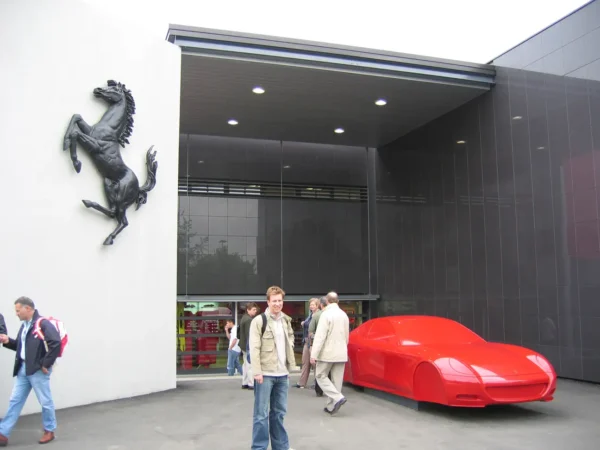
(433, 359)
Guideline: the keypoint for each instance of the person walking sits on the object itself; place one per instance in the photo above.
(306, 365)
(233, 352)
(272, 357)
(247, 378)
(330, 352)
(33, 366)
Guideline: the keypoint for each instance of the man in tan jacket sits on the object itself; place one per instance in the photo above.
(330, 352)
(272, 357)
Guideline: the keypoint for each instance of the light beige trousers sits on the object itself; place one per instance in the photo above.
(247, 378)
(332, 388)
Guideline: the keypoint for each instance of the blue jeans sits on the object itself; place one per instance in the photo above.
(273, 393)
(40, 383)
(233, 362)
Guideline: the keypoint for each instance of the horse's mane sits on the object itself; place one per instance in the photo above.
(128, 128)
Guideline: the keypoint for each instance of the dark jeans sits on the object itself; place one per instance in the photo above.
(270, 407)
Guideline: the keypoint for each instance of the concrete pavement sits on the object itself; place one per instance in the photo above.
(215, 414)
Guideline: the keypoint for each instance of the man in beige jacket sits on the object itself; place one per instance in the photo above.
(272, 357)
(330, 352)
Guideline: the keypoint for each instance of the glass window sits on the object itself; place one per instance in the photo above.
(201, 340)
(358, 312)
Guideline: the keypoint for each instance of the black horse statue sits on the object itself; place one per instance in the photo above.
(102, 141)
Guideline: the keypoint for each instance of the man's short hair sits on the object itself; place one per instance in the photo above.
(25, 301)
(323, 301)
(275, 290)
(332, 297)
(251, 305)
(230, 320)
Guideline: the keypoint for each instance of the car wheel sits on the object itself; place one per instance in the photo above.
(428, 385)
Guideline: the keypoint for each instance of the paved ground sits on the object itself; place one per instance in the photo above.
(217, 414)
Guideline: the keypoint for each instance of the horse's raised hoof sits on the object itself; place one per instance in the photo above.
(108, 241)
(87, 203)
(77, 165)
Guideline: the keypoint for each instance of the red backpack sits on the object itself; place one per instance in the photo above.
(60, 327)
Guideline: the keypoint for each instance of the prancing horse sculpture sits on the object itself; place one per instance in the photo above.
(102, 141)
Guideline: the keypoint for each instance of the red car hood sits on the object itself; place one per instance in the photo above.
(489, 360)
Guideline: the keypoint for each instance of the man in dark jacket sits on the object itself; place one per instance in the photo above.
(33, 366)
(244, 334)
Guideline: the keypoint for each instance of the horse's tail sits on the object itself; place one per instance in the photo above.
(151, 166)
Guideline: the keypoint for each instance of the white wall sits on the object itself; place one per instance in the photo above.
(117, 302)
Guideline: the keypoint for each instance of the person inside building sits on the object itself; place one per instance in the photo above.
(330, 352)
(233, 352)
(34, 359)
(306, 365)
(244, 331)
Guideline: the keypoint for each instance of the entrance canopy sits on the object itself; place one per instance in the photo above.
(313, 89)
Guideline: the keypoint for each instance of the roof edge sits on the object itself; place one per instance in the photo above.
(281, 43)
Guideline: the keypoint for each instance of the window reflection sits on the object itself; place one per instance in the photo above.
(245, 219)
(201, 340)
(218, 245)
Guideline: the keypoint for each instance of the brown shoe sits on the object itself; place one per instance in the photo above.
(3, 440)
(47, 437)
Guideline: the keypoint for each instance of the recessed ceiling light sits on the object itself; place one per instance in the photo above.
(541, 148)
(381, 102)
(517, 117)
(200, 162)
(286, 167)
(461, 142)
(258, 90)
(339, 130)
(232, 122)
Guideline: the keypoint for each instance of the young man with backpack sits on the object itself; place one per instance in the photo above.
(272, 357)
(37, 346)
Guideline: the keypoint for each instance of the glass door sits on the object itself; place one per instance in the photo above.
(201, 340)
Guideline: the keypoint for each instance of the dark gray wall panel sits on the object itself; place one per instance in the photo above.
(569, 47)
(253, 213)
(501, 232)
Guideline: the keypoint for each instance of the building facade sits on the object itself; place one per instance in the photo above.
(409, 185)
(501, 229)
(117, 302)
(486, 213)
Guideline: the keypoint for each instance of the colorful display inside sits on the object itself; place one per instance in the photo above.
(201, 340)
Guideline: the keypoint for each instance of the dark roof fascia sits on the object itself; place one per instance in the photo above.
(241, 45)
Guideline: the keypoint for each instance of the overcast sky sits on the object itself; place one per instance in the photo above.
(466, 30)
